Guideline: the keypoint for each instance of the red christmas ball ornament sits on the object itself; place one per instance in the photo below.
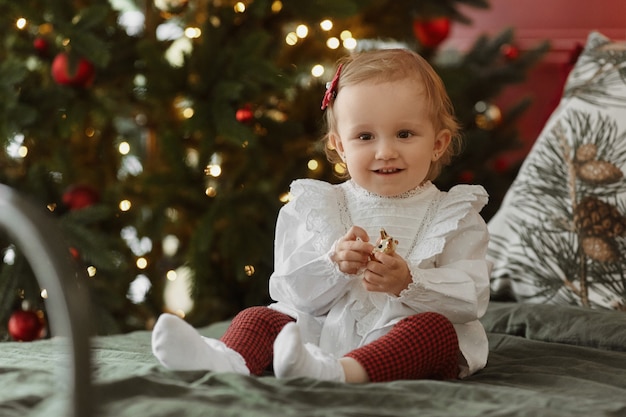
(77, 197)
(244, 115)
(432, 32)
(26, 325)
(41, 45)
(81, 75)
(510, 52)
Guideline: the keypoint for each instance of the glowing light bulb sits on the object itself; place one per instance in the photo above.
(188, 113)
(91, 271)
(317, 70)
(313, 165)
(214, 168)
(339, 169)
(240, 7)
(123, 148)
(349, 43)
(21, 23)
(326, 24)
(302, 31)
(193, 33)
(333, 43)
(142, 263)
(125, 205)
(171, 275)
(291, 38)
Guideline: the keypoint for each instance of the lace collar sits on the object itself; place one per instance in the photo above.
(362, 192)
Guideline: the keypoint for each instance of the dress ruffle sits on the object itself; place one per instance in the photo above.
(313, 198)
(453, 207)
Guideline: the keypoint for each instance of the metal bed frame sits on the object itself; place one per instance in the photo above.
(38, 235)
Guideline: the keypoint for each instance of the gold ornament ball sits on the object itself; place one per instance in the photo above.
(488, 116)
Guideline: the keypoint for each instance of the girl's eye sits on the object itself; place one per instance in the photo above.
(404, 134)
(366, 136)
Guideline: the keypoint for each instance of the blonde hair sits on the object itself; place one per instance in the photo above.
(393, 65)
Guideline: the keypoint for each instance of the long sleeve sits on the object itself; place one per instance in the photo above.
(304, 278)
(456, 282)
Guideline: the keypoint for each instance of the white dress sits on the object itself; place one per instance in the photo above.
(440, 235)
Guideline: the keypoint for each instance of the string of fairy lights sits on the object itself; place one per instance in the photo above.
(181, 35)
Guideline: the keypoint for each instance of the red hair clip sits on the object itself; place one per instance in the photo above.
(331, 89)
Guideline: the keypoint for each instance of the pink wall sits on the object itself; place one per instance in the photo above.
(565, 23)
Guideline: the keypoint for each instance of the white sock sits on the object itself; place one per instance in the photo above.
(179, 347)
(292, 358)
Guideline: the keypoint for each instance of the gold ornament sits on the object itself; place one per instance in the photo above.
(385, 244)
(488, 115)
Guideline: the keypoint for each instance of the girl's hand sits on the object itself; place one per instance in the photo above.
(387, 273)
(352, 251)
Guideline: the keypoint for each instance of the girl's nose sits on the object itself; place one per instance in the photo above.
(386, 150)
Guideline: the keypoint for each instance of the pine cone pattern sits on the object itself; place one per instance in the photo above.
(599, 223)
(600, 249)
(599, 172)
(586, 152)
(595, 171)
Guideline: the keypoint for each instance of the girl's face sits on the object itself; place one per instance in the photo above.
(386, 135)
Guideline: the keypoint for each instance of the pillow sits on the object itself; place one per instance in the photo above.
(560, 233)
(571, 325)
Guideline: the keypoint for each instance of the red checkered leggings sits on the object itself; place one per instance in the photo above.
(421, 346)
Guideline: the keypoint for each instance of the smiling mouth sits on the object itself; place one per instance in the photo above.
(387, 171)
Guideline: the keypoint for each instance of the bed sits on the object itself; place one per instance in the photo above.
(545, 360)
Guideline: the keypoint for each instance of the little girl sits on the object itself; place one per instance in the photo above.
(342, 311)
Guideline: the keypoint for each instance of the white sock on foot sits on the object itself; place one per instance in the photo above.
(292, 358)
(178, 346)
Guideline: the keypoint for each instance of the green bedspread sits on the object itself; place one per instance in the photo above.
(544, 361)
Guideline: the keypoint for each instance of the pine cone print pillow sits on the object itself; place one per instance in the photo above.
(560, 234)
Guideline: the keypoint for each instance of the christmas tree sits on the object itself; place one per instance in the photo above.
(163, 134)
